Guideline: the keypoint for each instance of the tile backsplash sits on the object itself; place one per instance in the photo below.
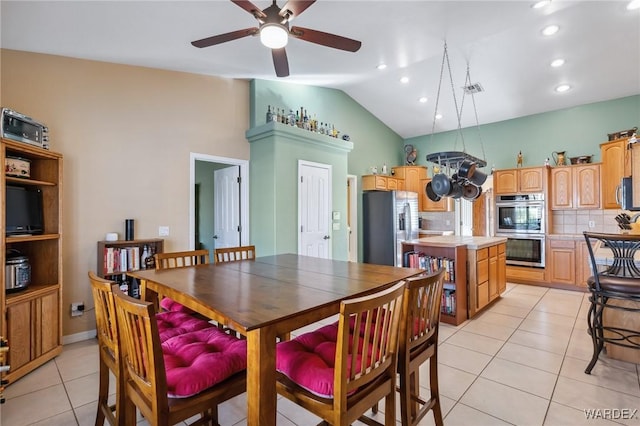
(438, 221)
(577, 221)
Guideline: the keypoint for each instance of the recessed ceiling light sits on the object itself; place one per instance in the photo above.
(550, 30)
(438, 116)
(557, 62)
(404, 80)
(423, 100)
(633, 5)
(381, 66)
(563, 88)
(540, 4)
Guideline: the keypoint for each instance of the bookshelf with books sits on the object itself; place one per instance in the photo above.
(116, 258)
(453, 258)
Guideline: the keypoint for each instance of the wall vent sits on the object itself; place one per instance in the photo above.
(473, 88)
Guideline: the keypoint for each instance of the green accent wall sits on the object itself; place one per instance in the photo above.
(578, 131)
(273, 177)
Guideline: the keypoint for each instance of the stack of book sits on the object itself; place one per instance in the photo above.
(415, 259)
(448, 301)
(121, 259)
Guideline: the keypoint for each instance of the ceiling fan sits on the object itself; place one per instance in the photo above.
(274, 32)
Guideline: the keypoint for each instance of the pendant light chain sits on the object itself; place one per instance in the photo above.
(435, 111)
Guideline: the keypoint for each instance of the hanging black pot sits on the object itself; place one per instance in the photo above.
(467, 169)
(471, 192)
(441, 184)
(431, 194)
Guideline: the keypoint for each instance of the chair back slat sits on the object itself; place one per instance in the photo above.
(142, 359)
(234, 254)
(371, 348)
(106, 324)
(422, 304)
(181, 259)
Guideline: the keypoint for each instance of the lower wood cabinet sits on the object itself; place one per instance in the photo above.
(487, 276)
(568, 262)
(33, 328)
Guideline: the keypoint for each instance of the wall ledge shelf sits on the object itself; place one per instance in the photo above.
(269, 130)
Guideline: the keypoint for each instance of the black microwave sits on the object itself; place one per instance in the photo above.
(626, 201)
(19, 127)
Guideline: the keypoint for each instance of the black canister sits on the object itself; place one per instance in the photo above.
(128, 229)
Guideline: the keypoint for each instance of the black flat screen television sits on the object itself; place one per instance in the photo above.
(24, 213)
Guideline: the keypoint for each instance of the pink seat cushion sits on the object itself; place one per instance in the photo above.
(171, 324)
(309, 360)
(200, 359)
(170, 305)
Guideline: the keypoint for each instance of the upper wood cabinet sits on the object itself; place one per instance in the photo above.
(575, 187)
(511, 181)
(616, 163)
(379, 182)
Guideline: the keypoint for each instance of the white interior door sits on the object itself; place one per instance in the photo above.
(314, 209)
(227, 207)
(464, 217)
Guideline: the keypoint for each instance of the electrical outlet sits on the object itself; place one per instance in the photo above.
(592, 224)
(163, 231)
(77, 309)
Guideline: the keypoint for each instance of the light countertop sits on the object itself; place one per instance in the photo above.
(473, 243)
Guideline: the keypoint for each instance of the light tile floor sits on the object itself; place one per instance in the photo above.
(521, 362)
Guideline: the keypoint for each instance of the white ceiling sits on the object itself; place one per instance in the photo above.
(500, 41)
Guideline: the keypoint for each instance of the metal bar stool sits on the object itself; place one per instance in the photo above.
(617, 279)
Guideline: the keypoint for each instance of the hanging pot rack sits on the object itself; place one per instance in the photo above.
(454, 159)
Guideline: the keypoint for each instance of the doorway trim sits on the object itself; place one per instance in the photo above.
(244, 193)
(352, 233)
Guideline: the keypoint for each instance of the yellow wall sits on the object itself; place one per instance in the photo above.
(126, 133)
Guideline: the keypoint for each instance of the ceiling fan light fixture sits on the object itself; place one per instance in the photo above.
(274, 36)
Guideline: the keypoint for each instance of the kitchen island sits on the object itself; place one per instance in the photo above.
(483, 257)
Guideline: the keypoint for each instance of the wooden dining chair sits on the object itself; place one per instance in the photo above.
(181, 259)
(109, 359)
(178, 259)
(170, 324)
(187, 375)
(418, 343)
(234, 254)
(341, 370)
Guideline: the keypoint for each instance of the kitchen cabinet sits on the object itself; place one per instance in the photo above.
(412, 178)
(379, 183)
(575, 187)
(32, 318)
(487, 276)
(561, 261)
(616, 164)
(454, 307)
(512, 181)
(427, 205)
(568, 261)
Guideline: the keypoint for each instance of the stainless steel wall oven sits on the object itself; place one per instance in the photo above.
(521, 218)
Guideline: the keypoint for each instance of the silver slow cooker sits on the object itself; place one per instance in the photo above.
(17, 274)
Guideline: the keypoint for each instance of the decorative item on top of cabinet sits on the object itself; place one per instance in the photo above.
(454, 260)
(32, 318)
(616, 164)
(575, 187)
(526, 179)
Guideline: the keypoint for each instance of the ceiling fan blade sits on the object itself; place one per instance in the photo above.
(325, 39)
(295, 7)
(222, 38)
(250, 7)
(280, 62)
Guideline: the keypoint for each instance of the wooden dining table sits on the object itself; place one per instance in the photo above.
(268, 297)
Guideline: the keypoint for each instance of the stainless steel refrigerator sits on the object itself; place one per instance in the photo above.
(388, 219)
